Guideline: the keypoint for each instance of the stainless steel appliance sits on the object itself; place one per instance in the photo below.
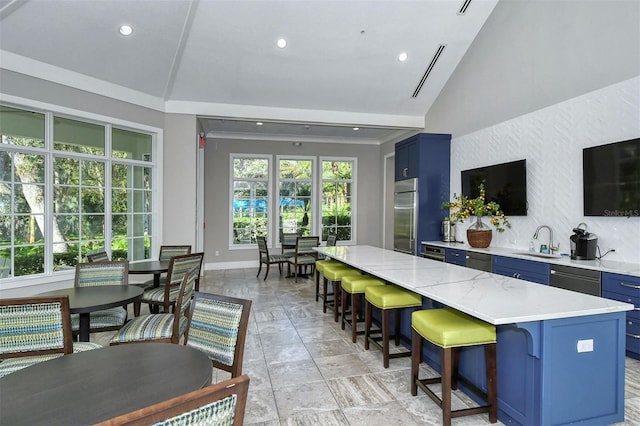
(576, 279)
(405, 216)
(448, 231)
(433, 252)
(479, 261)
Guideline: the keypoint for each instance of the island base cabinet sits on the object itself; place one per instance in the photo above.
(553, 372)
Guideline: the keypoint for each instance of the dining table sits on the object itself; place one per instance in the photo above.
(84, 300)
(93, 386)
(146, 267)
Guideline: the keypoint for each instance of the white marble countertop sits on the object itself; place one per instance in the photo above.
(492, 298)
(603, 265)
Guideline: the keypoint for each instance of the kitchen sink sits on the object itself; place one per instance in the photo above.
(536, 254)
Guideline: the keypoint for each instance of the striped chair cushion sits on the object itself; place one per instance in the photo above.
(214, 329)
(275, 258)
(303, 260)
(10, 365)
(157, 294)
(148, 327)
(166, 253)
(96, 274)
(32, 327)
(113, 317)
(221, 412)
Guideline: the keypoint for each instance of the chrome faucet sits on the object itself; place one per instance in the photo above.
(551, 247)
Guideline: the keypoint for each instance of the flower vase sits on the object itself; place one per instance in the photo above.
(479, 234)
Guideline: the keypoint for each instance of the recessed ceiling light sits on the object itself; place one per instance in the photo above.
(281, 43)
(403, 56)
(259, 123)
(126, 30)
(356, 128)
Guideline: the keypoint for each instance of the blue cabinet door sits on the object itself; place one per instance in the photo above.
(456, 256)
(528, 270)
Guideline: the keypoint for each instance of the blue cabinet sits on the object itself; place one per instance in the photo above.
(528, 270)
(626, 288)
(426, 157)
(456, 256)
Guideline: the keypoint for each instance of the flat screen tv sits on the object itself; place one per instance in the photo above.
(611, 179)
(505, 183)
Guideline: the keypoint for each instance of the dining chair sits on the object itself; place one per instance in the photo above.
(288, 242)
(165, 327)
(98, 256)
(166, 253)
(167, 294)
(218, 327)
(304, 255)
(98, 274)
(265, 258)
(35, 329)
(223, 403)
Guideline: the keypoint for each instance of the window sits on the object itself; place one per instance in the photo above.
(66, 195)
(249, 198)
(295, 201)
(337, 197)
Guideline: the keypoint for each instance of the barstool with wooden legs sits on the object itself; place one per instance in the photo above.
(354, 286)
(450, 330)
(333, 274)
(387, 298)
(320, 264)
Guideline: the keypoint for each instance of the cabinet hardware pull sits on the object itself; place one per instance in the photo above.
(630, 286)
(634, 336)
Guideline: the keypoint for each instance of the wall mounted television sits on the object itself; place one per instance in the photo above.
(611, 179)
(505, 183)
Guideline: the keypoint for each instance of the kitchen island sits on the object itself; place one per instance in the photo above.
(560, 353)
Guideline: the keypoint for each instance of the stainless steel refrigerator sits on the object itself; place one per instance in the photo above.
(405, 216)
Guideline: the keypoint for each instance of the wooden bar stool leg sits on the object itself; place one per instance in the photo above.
(397, 327)
(446, 386)
(337, 291)
(385, 337)
(355, 302)
(317, 276)
(456, 363)
(492, 386)
(343, 303)
(367, 323)
(416, 356)
(325, 284)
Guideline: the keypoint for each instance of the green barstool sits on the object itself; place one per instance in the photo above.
(320, 264)
(387, 298)
(334, 274)
(354, 286)
(451, 330)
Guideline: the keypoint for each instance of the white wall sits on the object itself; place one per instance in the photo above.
(552, 140)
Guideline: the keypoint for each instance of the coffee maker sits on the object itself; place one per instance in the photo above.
(583, 244)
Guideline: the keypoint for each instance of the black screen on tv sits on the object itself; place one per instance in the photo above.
(611, 179)
(505, 183)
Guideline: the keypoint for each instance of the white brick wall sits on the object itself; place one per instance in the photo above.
(552, 140)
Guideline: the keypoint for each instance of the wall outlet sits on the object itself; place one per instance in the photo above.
(217, 253)
(585, 345)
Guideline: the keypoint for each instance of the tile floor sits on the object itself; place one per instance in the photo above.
(306, 371)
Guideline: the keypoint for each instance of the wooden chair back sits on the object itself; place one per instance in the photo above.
(168, 251)
(179, 266)
(331, 240)
(218, 327)
(98, 256)
(102, 273)
(35, 326)
(221, 404)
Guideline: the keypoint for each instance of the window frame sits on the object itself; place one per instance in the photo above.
(270, 197)
(50, 277)
(354, 204)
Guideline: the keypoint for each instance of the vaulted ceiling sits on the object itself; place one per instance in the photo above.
(218, 59)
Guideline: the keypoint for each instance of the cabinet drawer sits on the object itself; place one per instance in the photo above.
(456, 256)
(623, 284)
(633, 335)
(634, 300)
(528, 270)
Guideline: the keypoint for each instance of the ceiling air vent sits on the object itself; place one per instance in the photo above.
(464, 7)
(429, 68)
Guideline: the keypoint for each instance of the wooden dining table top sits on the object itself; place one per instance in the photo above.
(96, 385)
